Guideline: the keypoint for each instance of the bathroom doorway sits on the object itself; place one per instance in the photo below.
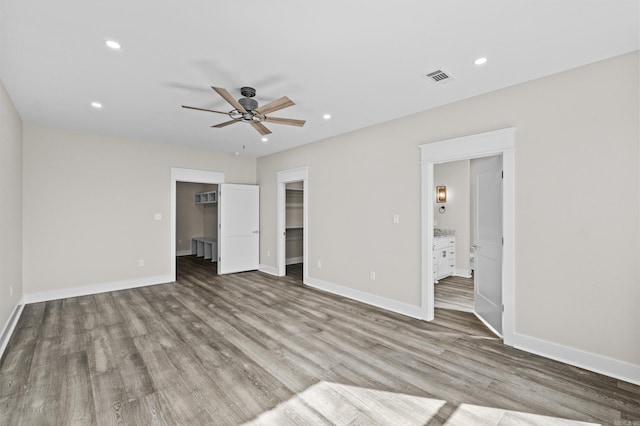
(499, 142)
(468, 231)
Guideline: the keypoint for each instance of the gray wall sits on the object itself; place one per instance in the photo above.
(577, 269)
(10, 207)
(93, 216)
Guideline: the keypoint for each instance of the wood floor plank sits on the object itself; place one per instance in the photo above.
(76, 395)
(15, 369)
(455, 293)
(109, 396)
(251, 348)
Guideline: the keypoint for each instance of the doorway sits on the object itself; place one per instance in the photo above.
(499, 142)
(292, 220)
(467, 235)
(294, 229)
(192, 176)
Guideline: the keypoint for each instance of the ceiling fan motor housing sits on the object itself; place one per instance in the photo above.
(248, 103)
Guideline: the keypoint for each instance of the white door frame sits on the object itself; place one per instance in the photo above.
(185, 175)
(467, 147)
(284, 177)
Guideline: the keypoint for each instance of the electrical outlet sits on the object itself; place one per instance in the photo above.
(396, 218)
(140, 262)
(372, 275)
(268, 253)
(319, 264)
(157, 216)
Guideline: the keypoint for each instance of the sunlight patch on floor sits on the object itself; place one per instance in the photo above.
(346, 405)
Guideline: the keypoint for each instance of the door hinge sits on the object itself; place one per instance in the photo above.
(502, 240)
(502, 174)
(502, 308)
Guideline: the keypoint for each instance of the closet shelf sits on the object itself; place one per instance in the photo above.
(209, 197)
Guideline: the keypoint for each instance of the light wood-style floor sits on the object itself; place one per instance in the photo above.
(250, 348)
(454, 293)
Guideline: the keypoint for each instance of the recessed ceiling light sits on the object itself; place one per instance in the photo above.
(327, 116)
(96, 105)
(480, 61)
(265, 139)
(112, 44)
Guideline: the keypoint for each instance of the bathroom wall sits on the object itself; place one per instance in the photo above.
(457, 216)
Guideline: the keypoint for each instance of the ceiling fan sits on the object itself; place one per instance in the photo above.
(246, 110)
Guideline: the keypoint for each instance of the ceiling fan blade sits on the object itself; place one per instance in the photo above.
(287, 121)
(227, 97)
(276, 105)
(204, 109)
(260, 128)
(226, 123)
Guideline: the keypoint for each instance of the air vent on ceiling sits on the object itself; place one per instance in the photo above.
(439, 76)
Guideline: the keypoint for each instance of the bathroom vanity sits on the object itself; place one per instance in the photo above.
(444, 257)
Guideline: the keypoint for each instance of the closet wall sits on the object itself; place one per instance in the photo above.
(294, 222)
(193, 220)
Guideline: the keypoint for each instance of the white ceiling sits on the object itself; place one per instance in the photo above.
(362, 61)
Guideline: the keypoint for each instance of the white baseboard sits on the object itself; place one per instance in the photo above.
(464, 273)
(183, 252)
(368, 298)
(8, 328)
(86, 290)
(597, 363)
(271, 270)
(294, 260)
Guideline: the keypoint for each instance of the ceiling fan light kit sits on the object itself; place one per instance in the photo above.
(246, 110)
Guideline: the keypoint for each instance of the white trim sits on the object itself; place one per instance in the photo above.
(294, 260)
(368, 298)
(498, 142)
(183, 252)
(426, 260)
(268, 270)
(85, 290)
(293, 175)
(282, 178)
(472, 146)
(7, 330)
(597, 363)
(185, 175)
(464, 273)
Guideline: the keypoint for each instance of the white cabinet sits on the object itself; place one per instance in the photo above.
(205, 247)
(209, 197)
(444, 257)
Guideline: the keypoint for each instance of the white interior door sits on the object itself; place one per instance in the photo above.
(238, 228)
(488, 241)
